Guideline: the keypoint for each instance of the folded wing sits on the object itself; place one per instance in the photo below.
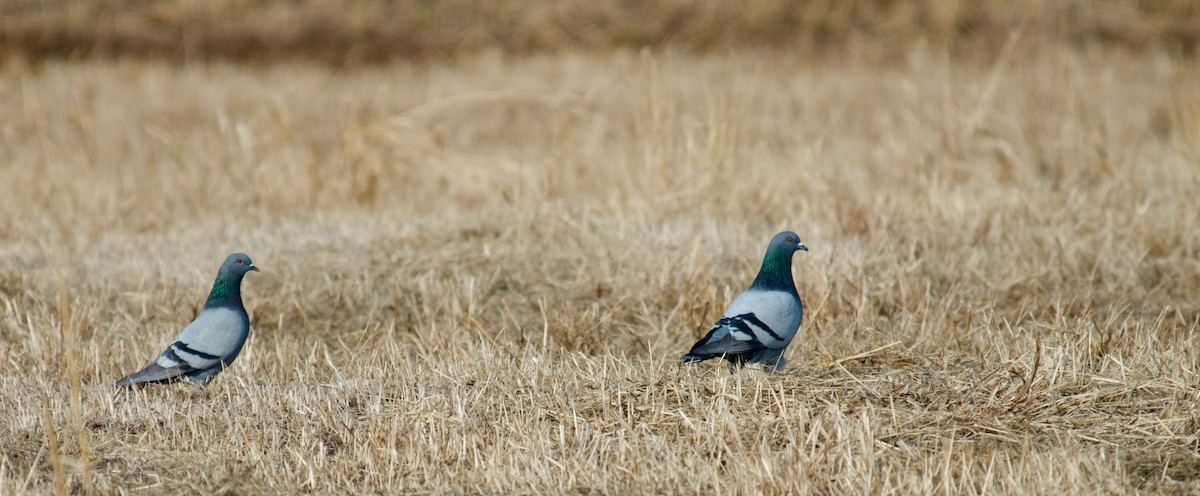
(210, 342)
(756, 320)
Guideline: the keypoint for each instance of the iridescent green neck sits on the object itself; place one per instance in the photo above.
(776, 273)
(226, 291)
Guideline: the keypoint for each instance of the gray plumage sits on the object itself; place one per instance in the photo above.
(212, 341)
(761, 322)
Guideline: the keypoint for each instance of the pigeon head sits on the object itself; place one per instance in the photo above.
(786, 243)
(227, 290)
(237, 265)
(776, 271)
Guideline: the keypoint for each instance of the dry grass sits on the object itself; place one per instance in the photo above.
(353, 32)
(478, 275)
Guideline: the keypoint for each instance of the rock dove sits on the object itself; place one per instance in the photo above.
(212, 341)
(760, 323)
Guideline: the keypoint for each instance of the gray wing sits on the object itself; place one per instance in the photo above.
(731, 336)
(177, 361)
(770, 318)
(756, 320)
(211, 341)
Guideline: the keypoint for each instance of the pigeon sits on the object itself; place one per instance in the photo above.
(211, 342)
(761, 322)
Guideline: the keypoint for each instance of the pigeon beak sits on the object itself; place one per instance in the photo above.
(252, 267)
(802, 247)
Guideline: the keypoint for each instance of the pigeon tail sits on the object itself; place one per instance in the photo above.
(771, 359)
(697, 357)
(152, 374)
(156, 374)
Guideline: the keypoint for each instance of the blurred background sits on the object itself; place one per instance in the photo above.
(357, 32)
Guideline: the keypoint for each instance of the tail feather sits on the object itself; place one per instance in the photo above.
(696, 357)
(153, 373)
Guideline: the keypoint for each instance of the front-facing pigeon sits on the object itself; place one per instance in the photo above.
(212, 341)
(760, 322)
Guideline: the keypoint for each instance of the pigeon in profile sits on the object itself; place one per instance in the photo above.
(212, 341)
(761, 322)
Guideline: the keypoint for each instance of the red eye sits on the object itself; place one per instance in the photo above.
(240, 260)
(790, 240)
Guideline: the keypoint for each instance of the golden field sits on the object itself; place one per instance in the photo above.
(351, 33)
(479, 271)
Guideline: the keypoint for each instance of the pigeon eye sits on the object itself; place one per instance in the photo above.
(790, 240)
(240, 260)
